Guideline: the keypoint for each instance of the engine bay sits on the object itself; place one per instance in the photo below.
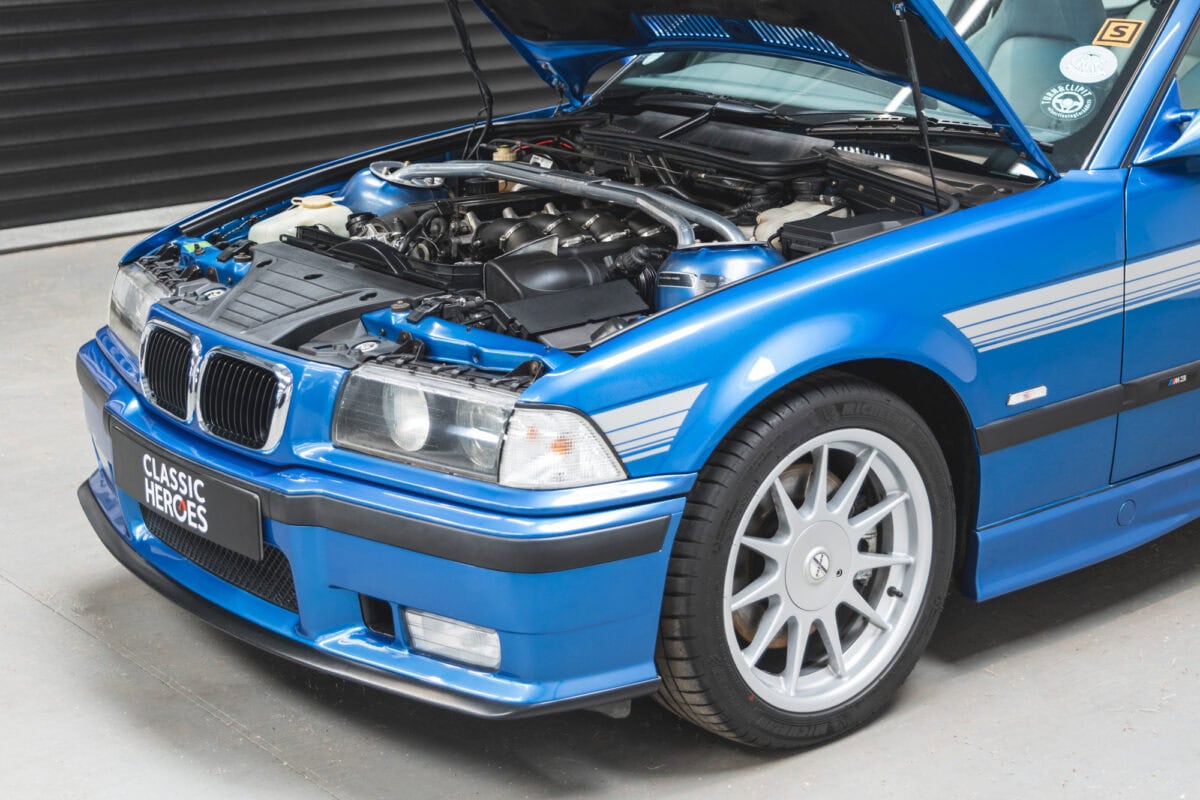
(560, 236)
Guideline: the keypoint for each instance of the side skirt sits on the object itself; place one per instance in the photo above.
(1081, 532)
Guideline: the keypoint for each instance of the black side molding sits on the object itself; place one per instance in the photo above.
(94, 391)
(271, 642)
(1088, 407)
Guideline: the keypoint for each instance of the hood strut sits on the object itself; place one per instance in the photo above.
(470, 148)
(914, 80)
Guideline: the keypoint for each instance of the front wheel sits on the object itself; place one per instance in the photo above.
(810, 569)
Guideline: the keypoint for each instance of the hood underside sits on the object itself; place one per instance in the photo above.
(567, 42)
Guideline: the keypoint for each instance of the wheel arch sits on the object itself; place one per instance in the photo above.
(940, 406)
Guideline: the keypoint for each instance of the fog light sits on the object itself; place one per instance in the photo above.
(453, 640)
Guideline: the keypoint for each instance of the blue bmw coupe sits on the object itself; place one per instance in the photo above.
(707, 383)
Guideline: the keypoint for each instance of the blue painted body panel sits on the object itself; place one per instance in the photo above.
(1163, 201)
(707, 268)
(1066, 537)
(1022, 292)
(563, 634)
(1162, 218)
(859, 303)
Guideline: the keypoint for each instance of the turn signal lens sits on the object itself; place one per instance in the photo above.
(550, 448)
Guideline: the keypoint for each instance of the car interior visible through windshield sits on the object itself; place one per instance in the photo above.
(1061, 64)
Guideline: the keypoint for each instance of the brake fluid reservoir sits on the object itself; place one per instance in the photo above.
(694, 271)
(316, 209)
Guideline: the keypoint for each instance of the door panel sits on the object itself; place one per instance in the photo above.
(1162, 302)
(1162, 317)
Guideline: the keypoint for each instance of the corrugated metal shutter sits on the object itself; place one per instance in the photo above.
(113, 105)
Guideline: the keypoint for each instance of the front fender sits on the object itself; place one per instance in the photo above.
(668, 389)
(690, 381)
(809, 346)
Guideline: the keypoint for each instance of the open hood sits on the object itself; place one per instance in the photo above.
(566, 42)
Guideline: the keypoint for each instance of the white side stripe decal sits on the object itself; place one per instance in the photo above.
(647, 427)
(1056, 307)
(1060, 306)
(1163, 277)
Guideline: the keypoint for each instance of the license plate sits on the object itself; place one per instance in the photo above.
(192, 497)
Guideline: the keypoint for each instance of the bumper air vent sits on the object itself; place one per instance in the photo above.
(270, 579)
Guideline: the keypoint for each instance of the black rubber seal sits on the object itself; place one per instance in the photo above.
(271, 642)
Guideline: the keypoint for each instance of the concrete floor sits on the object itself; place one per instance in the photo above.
(1085, 687)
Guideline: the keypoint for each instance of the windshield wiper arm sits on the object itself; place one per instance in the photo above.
(715, 103)
(897, 122)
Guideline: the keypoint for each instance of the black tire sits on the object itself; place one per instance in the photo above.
(700, 681)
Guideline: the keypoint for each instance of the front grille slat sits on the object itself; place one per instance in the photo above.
(244, 404)
(267, 399)
(245, 425)
(180, 363)
(260, 396)
(230, 401)
(237, 400)
(249, 424)
(271, 579)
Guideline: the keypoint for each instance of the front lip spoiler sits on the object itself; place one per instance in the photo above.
(281, 646)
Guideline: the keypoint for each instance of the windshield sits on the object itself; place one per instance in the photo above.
(1062, 64)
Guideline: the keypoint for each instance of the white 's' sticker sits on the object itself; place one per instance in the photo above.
(1088, 64)
(1069, 101)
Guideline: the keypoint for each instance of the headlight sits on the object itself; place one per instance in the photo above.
(133, 293)
(470, 430)
(422, 419)
(406, 412)
(484, 427)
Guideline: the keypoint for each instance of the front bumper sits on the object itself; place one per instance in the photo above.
(574, 598)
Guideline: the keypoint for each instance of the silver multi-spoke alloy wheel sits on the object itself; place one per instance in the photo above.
(811, 565)
(827, 570)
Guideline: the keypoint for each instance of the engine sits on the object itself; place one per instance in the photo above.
(561, 239)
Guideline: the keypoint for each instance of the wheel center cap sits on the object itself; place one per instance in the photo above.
(818, 566)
